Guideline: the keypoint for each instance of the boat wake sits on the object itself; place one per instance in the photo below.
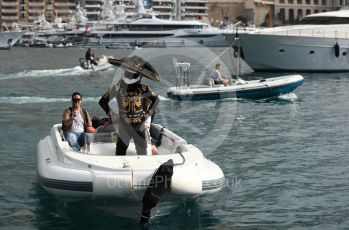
(36, 100)
(162, 98)
(75, 71)
(288, 97)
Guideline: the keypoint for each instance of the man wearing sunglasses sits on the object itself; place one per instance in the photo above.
(76, 122)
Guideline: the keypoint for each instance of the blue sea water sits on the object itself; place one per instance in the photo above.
(285, 160)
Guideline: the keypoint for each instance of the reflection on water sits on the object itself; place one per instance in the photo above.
(51, 213)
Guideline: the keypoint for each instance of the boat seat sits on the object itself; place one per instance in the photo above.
(61, 133)
(209, 81)
(156, 134)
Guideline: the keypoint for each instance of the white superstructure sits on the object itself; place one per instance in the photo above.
(144, 26)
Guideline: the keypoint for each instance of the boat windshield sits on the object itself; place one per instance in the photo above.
(107, 137)
(324, 21)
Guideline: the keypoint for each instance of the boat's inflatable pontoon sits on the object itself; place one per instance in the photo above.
(117, 184)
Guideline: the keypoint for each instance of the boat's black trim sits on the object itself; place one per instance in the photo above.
(279, 70)
(66, 185)
(241, 93)
(196, 35)
(213, 184)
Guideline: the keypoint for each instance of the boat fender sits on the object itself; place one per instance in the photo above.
(159, 184)
(336, 49)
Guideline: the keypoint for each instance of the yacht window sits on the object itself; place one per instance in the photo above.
(311, 51)
(106, 36)
(291, 16)
(299, 15)
(160, 27)
(282, 16)
(324, 21)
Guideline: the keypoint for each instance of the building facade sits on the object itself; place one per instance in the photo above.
(292, 11)
(269, 13)
(257, 12)
(26, 11)
(9, 12)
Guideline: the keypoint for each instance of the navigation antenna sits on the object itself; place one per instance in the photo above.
(238, 63)
(182, 69)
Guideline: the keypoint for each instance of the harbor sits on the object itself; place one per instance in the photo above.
(132, 120)
(281, 157)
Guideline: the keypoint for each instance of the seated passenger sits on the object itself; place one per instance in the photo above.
(88, 56)
(217, 77)
(76, 122)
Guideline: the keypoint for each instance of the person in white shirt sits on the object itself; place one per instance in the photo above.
(76, 122)
(217, 77)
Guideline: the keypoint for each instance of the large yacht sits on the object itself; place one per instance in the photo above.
(43, 33)
(10, 37)
(144, 26)
(116, 26)
(318, 43)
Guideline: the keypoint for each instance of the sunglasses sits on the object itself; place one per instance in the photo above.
(76, 99)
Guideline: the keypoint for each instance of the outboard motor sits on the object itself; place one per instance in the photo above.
(160, 183)
(336, 50)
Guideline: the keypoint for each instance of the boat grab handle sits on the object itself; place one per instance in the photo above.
(182, 163)
(155, 215)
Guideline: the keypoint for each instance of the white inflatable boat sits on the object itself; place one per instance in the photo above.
(239, 88)
(121, 184)
(255, 89)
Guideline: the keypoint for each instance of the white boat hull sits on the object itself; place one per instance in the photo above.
(117, 184)
(9, 38)
(290, 53)
(256, 89)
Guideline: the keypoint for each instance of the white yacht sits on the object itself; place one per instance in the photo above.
(45, 34)
(10, 37)
(143, 26)
(318, 43)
